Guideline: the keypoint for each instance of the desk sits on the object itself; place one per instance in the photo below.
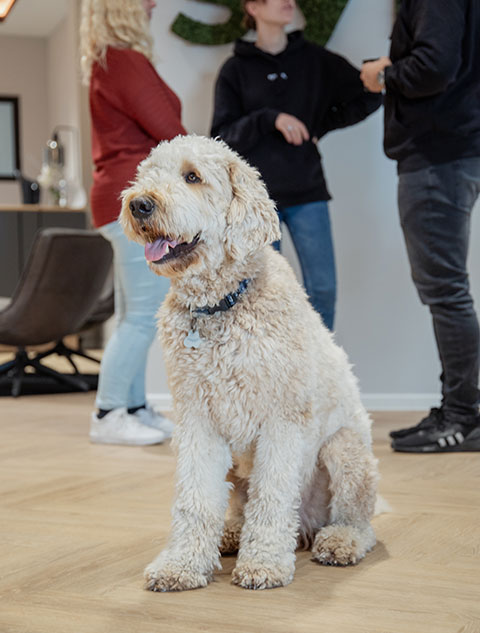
(38, 208)
(18, 225)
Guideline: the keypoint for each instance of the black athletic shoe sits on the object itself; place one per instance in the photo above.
(434, 417)
(446, 436)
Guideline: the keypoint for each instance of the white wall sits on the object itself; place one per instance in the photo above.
(380, 322)
(23, 73)
(66, 99)
(63, 72)
(44, 73)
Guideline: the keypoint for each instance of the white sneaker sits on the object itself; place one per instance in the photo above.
(119, 427)
(149, 417)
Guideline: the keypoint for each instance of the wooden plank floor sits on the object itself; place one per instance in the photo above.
(78, 522)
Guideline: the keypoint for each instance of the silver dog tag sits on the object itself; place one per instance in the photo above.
(193, 339)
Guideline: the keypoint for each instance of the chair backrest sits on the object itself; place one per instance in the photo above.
(104, 307)
(62, 281)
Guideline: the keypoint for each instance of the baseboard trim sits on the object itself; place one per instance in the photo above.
(162, 401)
(400, 401)
(372, 401)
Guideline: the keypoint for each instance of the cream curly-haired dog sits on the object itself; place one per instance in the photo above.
(269, 418)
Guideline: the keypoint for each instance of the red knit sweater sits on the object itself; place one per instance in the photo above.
(132, 110)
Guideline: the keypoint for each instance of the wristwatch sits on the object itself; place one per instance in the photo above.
(381, 78)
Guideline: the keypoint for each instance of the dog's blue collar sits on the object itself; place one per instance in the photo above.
(226, 303)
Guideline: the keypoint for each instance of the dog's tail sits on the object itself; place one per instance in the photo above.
(381, 506)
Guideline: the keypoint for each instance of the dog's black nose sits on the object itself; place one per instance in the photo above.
(141, 208)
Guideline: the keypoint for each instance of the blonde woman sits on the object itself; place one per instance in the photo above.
(132, 110)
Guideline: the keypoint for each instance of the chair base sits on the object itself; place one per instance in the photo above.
(67, 352)
(15, 380)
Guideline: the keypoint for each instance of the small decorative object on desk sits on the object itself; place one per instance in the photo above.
(51, 177)
(61, 177)
(30, 189)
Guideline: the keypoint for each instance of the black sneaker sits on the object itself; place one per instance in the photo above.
(432, 418)
(447, 436)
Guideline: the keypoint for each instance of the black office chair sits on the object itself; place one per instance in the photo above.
(58, 290)
(100, 313)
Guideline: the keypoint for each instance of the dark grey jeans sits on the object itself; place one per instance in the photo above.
(435, 206)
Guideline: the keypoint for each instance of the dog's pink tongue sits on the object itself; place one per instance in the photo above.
(156, 250)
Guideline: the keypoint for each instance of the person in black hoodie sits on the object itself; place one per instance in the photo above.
(274, 99)
(432, 129)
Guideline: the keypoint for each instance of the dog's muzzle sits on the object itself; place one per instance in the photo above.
(141, 208)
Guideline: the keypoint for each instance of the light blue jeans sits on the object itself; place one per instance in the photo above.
(138, 295)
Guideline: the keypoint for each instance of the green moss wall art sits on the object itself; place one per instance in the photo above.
(211, 34)
(321, 17)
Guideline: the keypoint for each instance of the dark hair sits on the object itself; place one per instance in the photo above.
(248, 21)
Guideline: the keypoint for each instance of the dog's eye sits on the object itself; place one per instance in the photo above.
(192, 178)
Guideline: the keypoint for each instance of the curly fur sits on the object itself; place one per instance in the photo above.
(269, 420)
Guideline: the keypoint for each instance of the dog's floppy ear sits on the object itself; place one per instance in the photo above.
(252, 221)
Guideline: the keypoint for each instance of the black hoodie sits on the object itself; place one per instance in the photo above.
(432, 104)
(320, 88)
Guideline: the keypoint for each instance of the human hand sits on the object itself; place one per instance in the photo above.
(369, 73)
(293, 130)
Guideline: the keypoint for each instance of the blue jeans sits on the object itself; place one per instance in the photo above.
(309, 228)
(138, 295)
(435, 207)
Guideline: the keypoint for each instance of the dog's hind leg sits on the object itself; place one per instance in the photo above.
(234, 520)
(352, 470)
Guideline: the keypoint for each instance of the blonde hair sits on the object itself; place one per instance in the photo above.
(117, 23)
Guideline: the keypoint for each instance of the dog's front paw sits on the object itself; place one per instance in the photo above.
(342, 544)
(172, 577)
(257, 575)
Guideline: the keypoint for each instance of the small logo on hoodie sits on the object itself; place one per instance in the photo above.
(274, 76)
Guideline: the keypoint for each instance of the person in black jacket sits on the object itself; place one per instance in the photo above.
(432, 129)
(274, 99)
